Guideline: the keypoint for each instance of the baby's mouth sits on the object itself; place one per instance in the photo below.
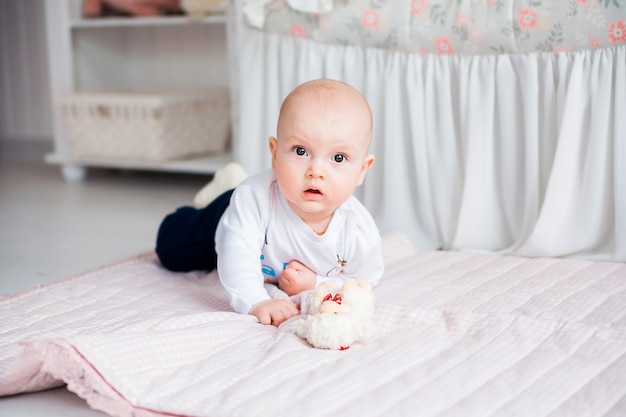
(313, 192)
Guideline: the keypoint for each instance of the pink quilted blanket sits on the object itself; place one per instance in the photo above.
(458, 334)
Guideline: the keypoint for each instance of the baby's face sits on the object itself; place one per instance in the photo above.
(321, 153)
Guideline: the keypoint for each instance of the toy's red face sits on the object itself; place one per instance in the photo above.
(331, 304)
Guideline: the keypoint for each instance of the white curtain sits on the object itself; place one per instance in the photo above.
(522, 153)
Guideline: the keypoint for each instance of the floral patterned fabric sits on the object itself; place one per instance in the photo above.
(452, 27)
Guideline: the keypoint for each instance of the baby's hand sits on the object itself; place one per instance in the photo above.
(296, 278)
(274, 312)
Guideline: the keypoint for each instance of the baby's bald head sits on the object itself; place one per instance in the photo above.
(336, 95)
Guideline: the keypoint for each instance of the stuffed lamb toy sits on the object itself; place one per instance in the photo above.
(339, 315)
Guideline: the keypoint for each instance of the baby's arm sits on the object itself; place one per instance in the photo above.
(274, 311)
(296, 278)
(365, 263)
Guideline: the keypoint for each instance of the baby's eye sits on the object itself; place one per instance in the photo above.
(339, 158)
(300, 151)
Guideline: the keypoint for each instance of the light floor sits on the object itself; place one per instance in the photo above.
(51, 229)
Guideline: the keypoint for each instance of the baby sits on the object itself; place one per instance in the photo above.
(296, 225)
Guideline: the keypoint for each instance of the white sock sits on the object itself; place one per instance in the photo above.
(223, 180)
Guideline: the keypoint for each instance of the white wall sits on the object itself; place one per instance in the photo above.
(25, 106)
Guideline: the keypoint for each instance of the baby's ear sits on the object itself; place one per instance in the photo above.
(367, 164)
(273, 144)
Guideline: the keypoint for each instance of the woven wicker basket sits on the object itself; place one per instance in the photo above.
(145, 126)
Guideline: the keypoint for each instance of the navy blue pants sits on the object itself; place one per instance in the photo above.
(186, 237)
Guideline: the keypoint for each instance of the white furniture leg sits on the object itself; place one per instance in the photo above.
(74, 173)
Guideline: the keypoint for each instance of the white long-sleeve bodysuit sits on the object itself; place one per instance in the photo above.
(259, 234)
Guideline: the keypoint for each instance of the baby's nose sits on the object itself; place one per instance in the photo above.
(316, 170)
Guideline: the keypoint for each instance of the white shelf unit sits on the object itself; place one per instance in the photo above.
(132, 53)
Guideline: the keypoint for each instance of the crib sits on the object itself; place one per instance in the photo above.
(498, 125)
